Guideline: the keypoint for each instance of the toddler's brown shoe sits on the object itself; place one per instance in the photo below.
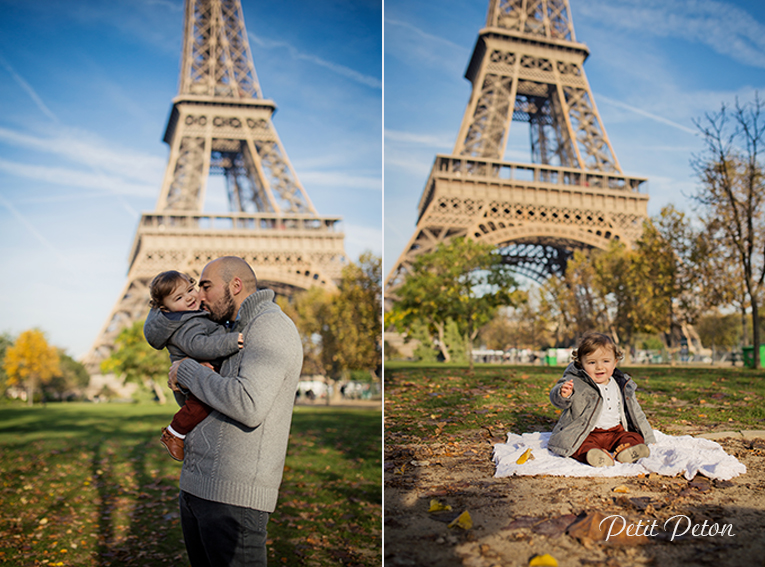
(173, 444)
(632, 454)
(599, 458)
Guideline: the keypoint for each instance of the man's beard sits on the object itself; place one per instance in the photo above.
(223, 310)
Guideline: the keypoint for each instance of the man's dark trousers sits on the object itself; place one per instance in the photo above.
(222, 535)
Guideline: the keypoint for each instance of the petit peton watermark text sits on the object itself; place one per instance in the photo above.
(679, 524)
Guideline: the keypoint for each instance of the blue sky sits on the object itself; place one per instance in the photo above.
(85, 92)
(654, 66)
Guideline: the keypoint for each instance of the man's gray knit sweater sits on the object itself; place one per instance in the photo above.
(236, 455)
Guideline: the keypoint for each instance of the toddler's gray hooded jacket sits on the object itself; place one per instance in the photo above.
(582, 409)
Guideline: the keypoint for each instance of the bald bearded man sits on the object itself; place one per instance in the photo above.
(235, 458)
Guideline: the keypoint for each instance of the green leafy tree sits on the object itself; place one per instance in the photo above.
(584, 298)
(720, 330)
(653, 285)
(624, 283)
(463, 281)
(456, 344)
(342, 330)
(534, 328)
(309, 310)
(656, 287)
(683, 275)
(721, 276)
(72, 377)
(135, 360)
(424, 351)
(525, 326)
(500, 333)
(355, 319)
(31, 362)
(5, 341)
(606, 290)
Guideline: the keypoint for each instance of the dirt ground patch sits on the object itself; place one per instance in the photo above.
(517, 518)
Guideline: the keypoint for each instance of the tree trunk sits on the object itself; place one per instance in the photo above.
(469, 348)
(744, 331)
(756, 331)
(335, 397)
(158, 392)
(442, 344)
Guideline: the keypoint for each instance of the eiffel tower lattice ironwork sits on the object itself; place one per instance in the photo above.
(221, 124)
(527, 66)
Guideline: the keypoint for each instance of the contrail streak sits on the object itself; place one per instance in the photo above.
(29, 90)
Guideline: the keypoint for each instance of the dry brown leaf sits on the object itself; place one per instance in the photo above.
(523, 522)
(593, 528)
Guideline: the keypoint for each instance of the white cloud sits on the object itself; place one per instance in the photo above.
(64, 264)
(393, 229)
(88, 149)
(722, 26)
(167, 4)
(295, 53)
(76, 178)
(359, 239)
(412, 165)
(411, 44)
(154, 23)
(433, 39)
(341, 179)
(440, 141)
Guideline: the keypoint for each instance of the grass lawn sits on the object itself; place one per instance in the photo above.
(431, 403)
(90, 485)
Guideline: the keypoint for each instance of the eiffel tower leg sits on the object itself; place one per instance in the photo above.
(133, 305)
(425, 239)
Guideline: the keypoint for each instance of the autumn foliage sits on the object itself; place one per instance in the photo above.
(31, 362)
(342, 330)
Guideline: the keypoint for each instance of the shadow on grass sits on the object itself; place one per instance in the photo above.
(108, 490)
(330, 504)
(138, 525)
(107, 480)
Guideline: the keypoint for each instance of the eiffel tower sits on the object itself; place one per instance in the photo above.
(221, 124)
(528, 67)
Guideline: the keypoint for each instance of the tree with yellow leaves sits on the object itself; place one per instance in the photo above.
(136, 361)
(31, 362)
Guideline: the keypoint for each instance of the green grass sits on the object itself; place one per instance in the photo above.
(90, 485)
(428, 403)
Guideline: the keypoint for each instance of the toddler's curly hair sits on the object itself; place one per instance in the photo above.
(163, 285)
(591, 342)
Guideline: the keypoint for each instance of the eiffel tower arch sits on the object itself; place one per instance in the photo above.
(220, 124)
(528, 67)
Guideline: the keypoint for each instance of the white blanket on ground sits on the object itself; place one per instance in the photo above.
(669, 456)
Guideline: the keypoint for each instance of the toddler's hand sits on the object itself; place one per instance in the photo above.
(241, 340)
(567, 389)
